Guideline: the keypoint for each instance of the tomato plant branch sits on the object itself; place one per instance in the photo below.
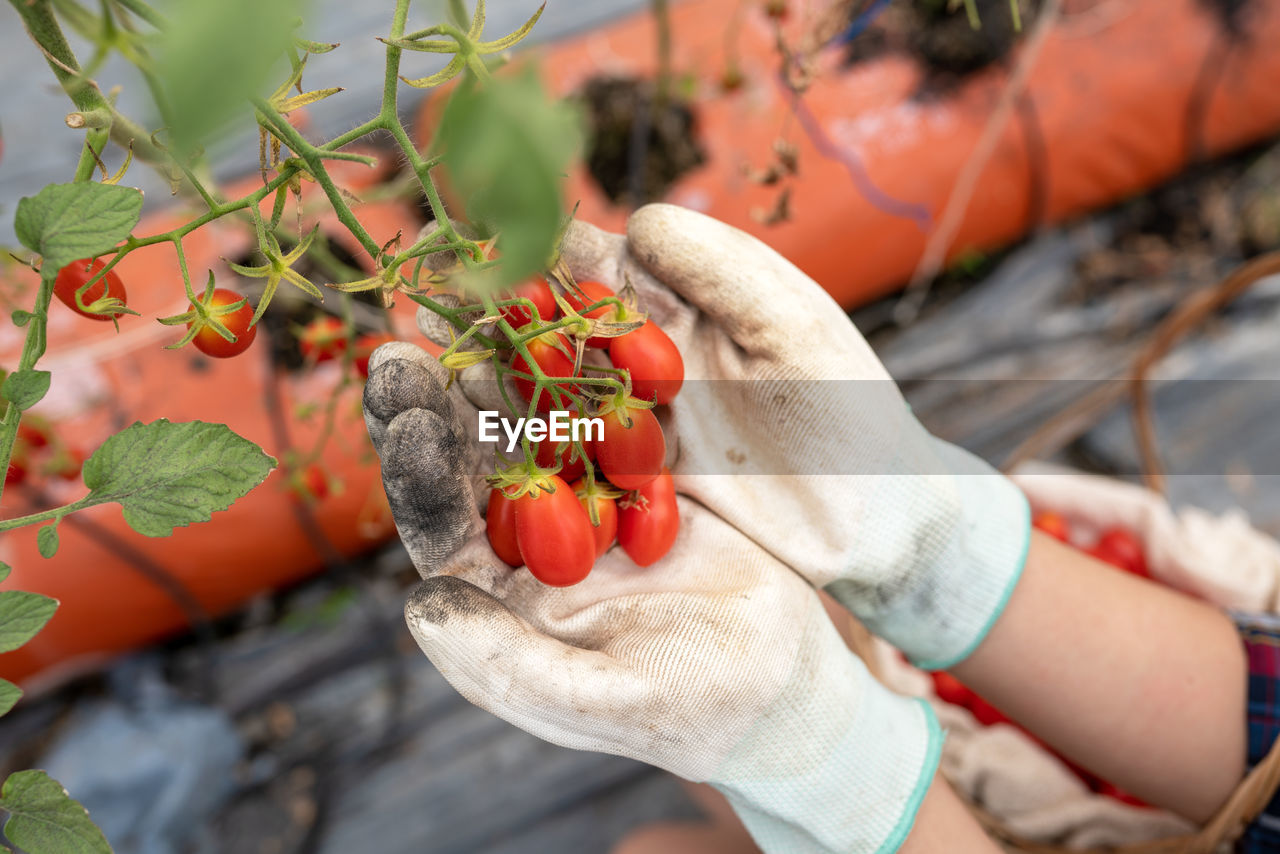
(33, 347)
(44, 30)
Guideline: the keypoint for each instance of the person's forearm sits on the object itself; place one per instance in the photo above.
(945, 825)
(1139, 684)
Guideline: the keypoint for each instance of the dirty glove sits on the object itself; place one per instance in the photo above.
(831, 473)
(717, 663)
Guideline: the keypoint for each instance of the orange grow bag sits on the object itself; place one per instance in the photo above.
(1114, 89)
(105, 576)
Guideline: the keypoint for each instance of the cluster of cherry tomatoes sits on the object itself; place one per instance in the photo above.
(40, 452)
(1115, 546)
(557, 521)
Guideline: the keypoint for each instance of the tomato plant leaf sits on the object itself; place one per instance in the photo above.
(67, 222)
(47, 540)
(22, 616)
(5, 569)
(24, 389)
(43, 818)
(168, 475)
(10, 694)
(214, 57)
(506, 145)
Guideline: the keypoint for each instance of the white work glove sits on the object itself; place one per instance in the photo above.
(717, 663)
(789, 429)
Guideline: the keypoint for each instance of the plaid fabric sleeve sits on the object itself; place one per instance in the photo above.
(1261, 636)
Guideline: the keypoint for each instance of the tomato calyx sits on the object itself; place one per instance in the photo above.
(524, 479)
(598, 314)
(205, 313)
(593, 489)
(621, 404)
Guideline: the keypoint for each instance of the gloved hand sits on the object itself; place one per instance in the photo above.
(717, 663)
(830, 471)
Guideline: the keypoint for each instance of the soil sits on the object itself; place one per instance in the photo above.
(1192, 229)
(638, 147)
(941, 38)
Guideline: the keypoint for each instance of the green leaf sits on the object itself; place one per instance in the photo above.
(21, 318)
(5, 569)
(43, 819)
(47, 540)
(26, 388)
(168, 475)
(506, 146)
(67, 222)
(214, 57)
(9, 695)
(22, 616)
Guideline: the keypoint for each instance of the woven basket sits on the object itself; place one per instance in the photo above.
(1257, 789)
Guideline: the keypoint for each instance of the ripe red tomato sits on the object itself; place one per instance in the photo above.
(551, 360)
(555, 536)
(323, 339)
(66, 463)
(952, 690)
(16, 473)
(314, 483)
(500, 525)
(657, 371)
(73, 276)
(606, 513)
(539, 293)
(647, 533)
(365, 345)
(594, 292)
(546, 457)
(631, 456)
(1121, 549)
(34, 432)
(1053, 524)
(210, 343)
(986, 714)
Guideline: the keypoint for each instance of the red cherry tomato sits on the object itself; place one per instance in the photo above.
(985, 713)
(1053, 524)
(657, 371)
(952, 690)
(1122, 549)
(554, 534)
(323, 339)
(66, 463)
(594, 292)
(539, 293)
(73, 276)
(316, 482)
(546, 457)
(500, 525)
(34, 432)
(647, 533)
(606, 513)
(551, 360)
(16, 473)
(210, 343)
(365, 345)
(631, 456)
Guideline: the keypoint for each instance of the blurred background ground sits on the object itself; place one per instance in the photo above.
(309, 722)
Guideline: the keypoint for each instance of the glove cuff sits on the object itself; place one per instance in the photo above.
(963, 591)
(861, 795)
